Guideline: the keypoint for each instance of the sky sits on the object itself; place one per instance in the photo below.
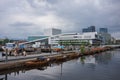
(23, 18)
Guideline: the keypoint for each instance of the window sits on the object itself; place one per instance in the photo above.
(75, 36)
(87, 37)
(56, 36)
(80, 36)
(52, 37)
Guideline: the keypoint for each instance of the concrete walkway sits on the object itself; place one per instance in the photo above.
(18, 58)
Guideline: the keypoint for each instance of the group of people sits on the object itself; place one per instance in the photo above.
(15, 52)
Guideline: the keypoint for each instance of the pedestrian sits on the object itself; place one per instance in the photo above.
(24, 53)
(15, 53)
(10, 52)
(3, 54)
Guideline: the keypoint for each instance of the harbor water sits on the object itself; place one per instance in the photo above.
(0, 55)
(102, 66)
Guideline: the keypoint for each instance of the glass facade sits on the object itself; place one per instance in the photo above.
(31, 38)
(73, 42)
(89, 29)
(103, 30)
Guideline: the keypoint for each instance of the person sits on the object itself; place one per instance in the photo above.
(24, 53)
(3, 54)
(15, 53)
(10, 53)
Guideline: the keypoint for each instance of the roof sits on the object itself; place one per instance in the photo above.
(32, 41)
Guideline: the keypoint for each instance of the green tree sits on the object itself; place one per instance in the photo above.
(82, 49)
(6, 40)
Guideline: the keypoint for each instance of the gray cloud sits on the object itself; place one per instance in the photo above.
(32, 16)
(21, 24)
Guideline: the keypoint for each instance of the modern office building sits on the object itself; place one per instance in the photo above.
(103, 30)
(89, 29)
(55, 38)
(43, 39)
(52, 31)
(92, 38)
(118, 41)
(106, 37)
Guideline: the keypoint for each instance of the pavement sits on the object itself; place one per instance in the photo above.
(19, 58)
(27, 57)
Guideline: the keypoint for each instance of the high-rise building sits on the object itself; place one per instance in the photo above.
(89, 29)
(52, 31)
(106, 37)
(103, 30)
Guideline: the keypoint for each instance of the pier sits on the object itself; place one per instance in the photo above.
(46, 58)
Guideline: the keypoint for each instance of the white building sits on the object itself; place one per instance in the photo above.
(52, 31)
(91, 37)
(54, 37)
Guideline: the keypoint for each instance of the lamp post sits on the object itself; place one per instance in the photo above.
(61, 72)
(51, 48)
(6, 55)
(61, 46)
(5, 76)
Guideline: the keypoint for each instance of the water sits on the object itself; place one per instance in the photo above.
(105, 66)
(0, 54)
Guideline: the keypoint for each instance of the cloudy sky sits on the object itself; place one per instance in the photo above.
(21, 18)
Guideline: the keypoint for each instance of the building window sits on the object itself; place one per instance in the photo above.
(52, 37)
(87, 36)
(96, 36)
(80, 36)
(75, 36)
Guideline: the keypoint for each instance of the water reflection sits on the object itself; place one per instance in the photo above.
(82, 59)
(42, 68)
(103, 58)
(92, 67)
(61, 72)
(88, 59)
(17, 72)
(3, 77)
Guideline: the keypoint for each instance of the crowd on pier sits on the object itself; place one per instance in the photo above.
(14, 52)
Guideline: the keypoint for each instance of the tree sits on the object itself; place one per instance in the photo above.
(6, 40)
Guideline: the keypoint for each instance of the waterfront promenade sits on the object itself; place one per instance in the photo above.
(27, 57)
(34, 56)
(29, 60)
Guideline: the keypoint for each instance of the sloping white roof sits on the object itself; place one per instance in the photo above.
(33, 41)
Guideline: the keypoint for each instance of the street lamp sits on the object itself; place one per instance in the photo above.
(6, 55)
